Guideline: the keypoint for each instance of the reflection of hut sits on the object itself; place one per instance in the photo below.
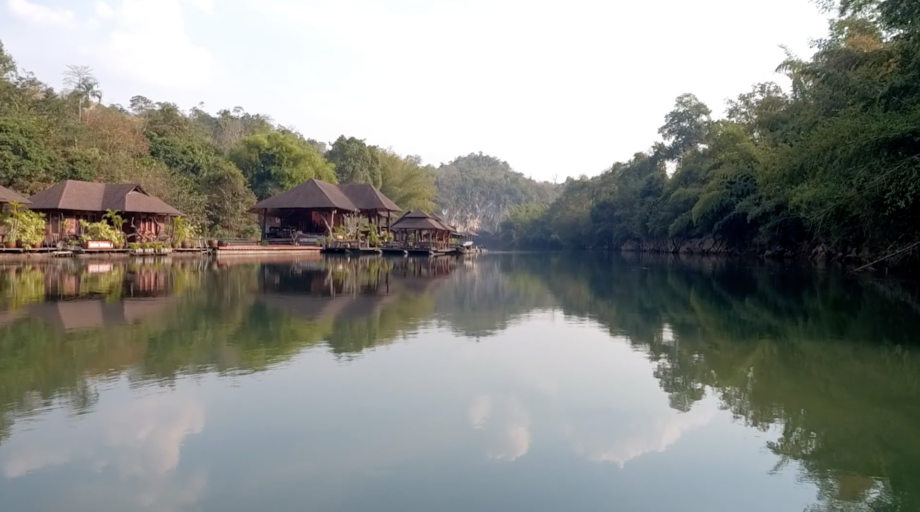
(316, 207)
(74, 315)
(347, 288)
(315, 308)
(100, 279)
(69, 202)
(417, 231)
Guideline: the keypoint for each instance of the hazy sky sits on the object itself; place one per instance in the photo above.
(558, 88)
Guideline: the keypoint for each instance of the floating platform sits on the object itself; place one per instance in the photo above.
(253, 250)
(351, 250)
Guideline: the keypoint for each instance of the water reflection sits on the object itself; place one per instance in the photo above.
(113, 368)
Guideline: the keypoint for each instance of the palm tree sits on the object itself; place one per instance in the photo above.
(83, 84)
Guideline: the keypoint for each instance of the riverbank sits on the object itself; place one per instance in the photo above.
(818, 253)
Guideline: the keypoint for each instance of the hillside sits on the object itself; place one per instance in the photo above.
(476, 192)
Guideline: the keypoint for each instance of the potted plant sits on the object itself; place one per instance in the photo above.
(183, 232)
(117, 222)
(26, 228)
(102, 231)
(10, 221)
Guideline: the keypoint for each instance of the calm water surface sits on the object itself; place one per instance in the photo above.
(502, 383)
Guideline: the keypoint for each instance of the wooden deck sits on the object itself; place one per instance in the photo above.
(254, 249)
(351, 250)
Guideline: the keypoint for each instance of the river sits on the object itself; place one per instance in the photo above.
(506, 382)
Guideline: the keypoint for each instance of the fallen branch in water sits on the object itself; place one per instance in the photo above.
(888, 256)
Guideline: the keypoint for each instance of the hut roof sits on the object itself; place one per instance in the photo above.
(311, 194)
(367, 197)
(418, 219)
(74, 315)
(99, 197)
(8, 196)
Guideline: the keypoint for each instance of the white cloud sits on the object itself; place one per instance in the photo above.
(204, 5)
(104, 10)
(139, 440)
(150, 43)
(41, 15)
(508, 434)
(585, 75)
(147, 435)
(619, 442)
(480, 410)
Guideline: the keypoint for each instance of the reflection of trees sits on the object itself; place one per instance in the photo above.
(485, 296)
(830, 360)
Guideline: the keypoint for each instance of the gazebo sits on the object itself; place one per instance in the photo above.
(419, 230)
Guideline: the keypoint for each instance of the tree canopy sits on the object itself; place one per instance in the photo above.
(831, 161)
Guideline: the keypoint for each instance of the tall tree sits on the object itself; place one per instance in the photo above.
(355, 161)
(686, 125)
(278, 161)
(406, 181)
(83, 86)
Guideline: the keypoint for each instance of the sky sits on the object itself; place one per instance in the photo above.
(556, 89)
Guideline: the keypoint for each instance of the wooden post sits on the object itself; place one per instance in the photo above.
(264, 223)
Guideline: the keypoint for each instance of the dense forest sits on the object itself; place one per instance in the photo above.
(214, 167)
(830, 165)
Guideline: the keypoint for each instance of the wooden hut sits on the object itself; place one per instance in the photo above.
(71, 201)
(417, 231)
(309, 211)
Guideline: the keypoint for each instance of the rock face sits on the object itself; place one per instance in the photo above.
(475, 192)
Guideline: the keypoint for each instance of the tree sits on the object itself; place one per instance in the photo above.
(7, 64)
(83, 85)
(354, 161)
(277, 161)
(686, 125)
(406, 181)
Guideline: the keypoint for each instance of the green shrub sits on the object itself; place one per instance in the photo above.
(24, 225)
(102, 231)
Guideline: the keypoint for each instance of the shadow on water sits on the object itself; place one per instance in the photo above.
(830, 360)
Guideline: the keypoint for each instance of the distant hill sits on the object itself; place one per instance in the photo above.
(476, 191)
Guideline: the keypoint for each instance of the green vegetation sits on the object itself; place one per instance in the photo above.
(183, 231)
(101, 231)
(279, 160)
(212, 167)
(23, 225)
(832, 161)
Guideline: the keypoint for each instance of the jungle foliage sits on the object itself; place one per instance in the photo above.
(834, 159)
